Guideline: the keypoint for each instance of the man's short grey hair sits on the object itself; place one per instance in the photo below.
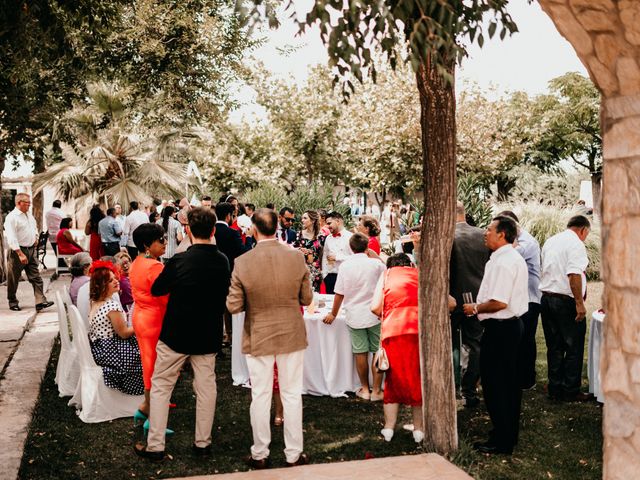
(21, 196)
(460, 208)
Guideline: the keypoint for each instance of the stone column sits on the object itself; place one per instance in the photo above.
(606, 37)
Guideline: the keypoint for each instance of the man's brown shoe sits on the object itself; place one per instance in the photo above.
(258, 464)
(141, 451)
(303, 459)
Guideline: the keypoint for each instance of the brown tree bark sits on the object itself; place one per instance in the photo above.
(438, 122)
(3, 264)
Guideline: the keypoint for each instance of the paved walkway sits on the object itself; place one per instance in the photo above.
(428, 466)
(26, 339)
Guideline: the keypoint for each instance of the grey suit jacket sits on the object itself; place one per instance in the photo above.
(270, 284)
(468, 258)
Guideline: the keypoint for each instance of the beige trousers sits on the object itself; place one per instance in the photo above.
(165, 375)
(290, 381)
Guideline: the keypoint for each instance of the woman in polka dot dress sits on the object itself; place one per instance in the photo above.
(113, 344)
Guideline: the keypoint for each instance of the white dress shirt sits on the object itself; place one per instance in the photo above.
(563, 254)
(357, 279)
(505, 280)
(338, 246)
(21, 229)
(53, 218)
(131, 222)
(529, 248)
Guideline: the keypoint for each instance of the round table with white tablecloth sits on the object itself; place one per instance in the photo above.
(595, 345)
(329, 366)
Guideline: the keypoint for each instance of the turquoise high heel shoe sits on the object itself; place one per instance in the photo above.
(145, 427)
(138, 418)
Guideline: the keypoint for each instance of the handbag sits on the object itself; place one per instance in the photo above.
(381, 361)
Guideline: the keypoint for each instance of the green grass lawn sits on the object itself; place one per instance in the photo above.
(557, 440)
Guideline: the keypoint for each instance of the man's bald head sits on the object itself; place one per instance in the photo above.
(265, 221)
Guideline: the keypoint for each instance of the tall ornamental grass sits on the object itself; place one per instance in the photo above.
(544, 221)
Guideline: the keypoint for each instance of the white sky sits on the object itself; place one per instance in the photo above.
(526, 61)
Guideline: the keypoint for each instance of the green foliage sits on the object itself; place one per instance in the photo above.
(109, 160)
(178, 58)
(299, 200)
(544, 221)
(379, 135)
(568, 121)
(304, 122)
(534, 186)
(472, 194)
(439, 30)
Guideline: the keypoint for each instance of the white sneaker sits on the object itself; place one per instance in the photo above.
(418, 436)
(387, 433)
(408, 427)
(363, 394)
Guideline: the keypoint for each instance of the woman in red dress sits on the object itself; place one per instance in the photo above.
(148, 311)
(371, 228)
(67, 245)
(91, 228)
(396, 302)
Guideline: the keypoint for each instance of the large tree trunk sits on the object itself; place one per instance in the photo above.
(3, 265)
(438, 122)
(37, 202)
(596, 191)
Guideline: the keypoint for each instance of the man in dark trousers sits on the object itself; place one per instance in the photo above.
(197, 282)
(230, 243)
(502, 299)
(468, 258)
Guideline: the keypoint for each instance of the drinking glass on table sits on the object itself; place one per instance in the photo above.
(467, 298)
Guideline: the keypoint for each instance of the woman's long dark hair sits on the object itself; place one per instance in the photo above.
(95, 215)
(166, 215)
(315, 219)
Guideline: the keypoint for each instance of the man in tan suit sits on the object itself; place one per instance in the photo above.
(270, 283)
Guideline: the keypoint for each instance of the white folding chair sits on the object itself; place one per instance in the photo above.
(66, 298)
(64, 268)
(68, 368)
(94, 400)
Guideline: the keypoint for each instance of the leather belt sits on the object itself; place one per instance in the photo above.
(558, 295)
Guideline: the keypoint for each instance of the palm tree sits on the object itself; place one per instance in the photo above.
(115, 160)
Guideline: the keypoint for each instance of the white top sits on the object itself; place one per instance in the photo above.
(133, 221)
(338, 246)
(357, 279)
(244, 222)
(173, 228)
(53, 218)
(21, 229)
(505, 280)
(563, 254)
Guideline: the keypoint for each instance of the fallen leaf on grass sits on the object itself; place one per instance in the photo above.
(556, 446)
(549, 475)
(583, 462)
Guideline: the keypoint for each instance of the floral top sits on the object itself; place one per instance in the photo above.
(313, 258)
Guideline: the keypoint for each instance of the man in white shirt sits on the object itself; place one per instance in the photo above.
(22, 239)
(564, 286)
(502, 299)
(355, 287)
(336, 250)
(135, 218)
(53, 218)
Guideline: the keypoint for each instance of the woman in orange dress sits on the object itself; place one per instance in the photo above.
(148, 311)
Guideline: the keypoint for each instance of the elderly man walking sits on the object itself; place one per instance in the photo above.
(22, 237)
(564, 287)
(270, 284)
(502, 299)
